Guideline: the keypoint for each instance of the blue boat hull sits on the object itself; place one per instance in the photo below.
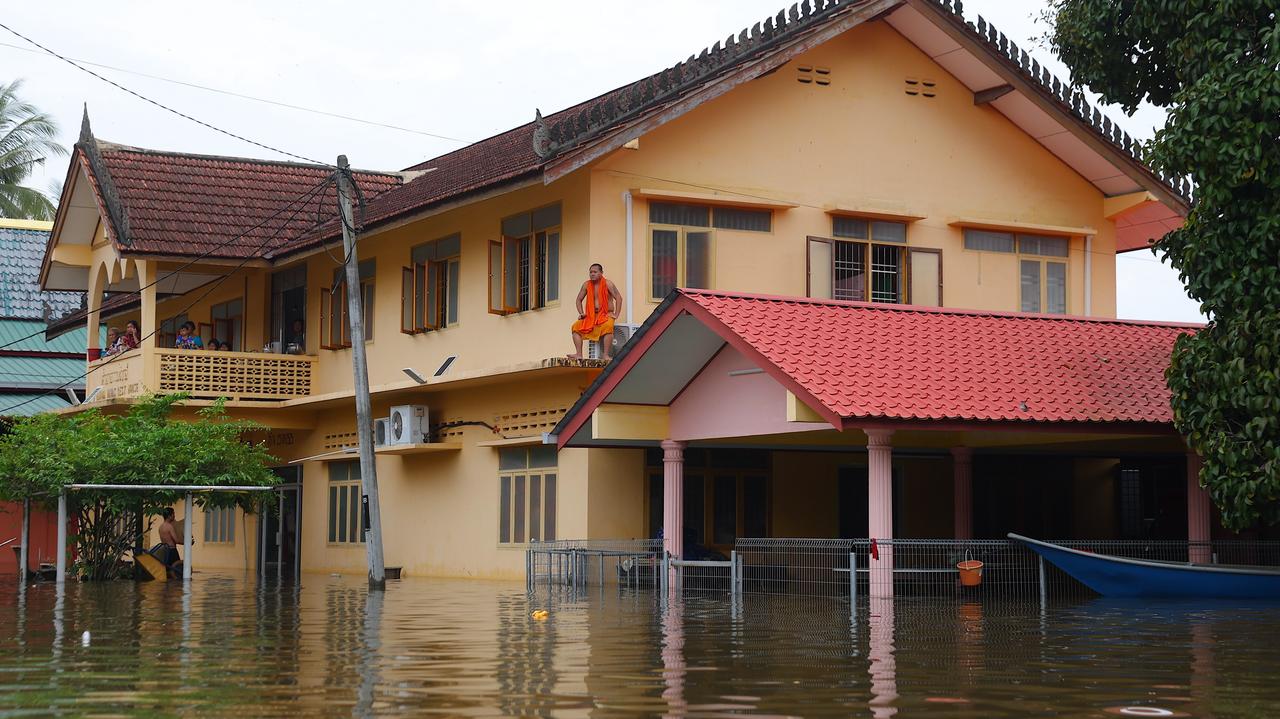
(1123, 577)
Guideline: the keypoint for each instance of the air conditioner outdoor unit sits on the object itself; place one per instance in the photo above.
(622, 333)
(381, 430)
(407, 425)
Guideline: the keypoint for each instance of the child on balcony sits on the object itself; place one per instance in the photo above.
(187, 337)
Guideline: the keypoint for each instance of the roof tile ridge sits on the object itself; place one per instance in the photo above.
(927, 309)
(107, 146)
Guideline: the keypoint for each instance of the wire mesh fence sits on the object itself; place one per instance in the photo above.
(963, 569)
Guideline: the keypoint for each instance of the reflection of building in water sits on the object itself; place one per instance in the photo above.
(526, 669)
(343, 633)
(882, 666)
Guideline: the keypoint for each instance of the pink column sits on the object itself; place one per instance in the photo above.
(1198, 513)
(673, 497)
(880, 508)
(962, 470)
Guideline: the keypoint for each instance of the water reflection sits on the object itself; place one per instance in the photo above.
(227, 645)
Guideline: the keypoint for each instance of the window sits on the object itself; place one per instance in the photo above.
(346, 518)
(1042, 283)
(524, 266)
(228, 323)
(220, 525)
(335, 322)
(429, 288)
(871, 266)
(527, 494)
(288, 308)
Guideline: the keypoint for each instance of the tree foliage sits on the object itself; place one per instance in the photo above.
(147, 445)
(1215, 65)
(27, 137)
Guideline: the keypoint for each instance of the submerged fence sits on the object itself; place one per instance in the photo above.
(980, 568)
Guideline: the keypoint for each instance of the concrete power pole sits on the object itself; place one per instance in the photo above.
(360, 368)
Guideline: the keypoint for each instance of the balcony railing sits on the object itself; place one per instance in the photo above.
(204, 374)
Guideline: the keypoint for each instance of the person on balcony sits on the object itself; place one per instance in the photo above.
(214, 344)
(113, 340)
(187, 337)
(603, 302)
(131, 338)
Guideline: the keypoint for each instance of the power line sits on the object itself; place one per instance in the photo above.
(217, 246)
(166, 108)
(252, 98)
(305, 198)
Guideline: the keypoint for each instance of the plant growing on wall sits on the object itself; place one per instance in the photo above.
(1214, 65)
(146, 445)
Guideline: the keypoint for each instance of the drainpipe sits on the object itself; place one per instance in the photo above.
(1088, 275)
(631, 257)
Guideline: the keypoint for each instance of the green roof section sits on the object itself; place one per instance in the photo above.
(40, 372)
(25, 404)
(28, 336)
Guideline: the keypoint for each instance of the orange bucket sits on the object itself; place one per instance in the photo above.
(970, 572)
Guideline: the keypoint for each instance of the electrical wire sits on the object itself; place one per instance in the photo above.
(242, 96)
(162, 106)
(184, 310)
(217, 246)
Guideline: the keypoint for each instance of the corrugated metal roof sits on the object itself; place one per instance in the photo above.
(21, 253)
(25, 404)
(26, 372)
(28, 336)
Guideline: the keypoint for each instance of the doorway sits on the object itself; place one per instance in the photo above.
(288, 311)
(280, 529)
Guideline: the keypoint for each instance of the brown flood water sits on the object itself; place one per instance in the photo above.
(233, 647)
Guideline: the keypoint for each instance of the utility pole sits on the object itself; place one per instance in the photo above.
(360, 368)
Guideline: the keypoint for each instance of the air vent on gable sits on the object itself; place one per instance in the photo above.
(922, 87)
(809, 74)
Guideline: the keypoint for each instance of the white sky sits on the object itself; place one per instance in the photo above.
(453, 69)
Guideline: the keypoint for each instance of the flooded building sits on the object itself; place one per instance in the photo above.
(852, 158)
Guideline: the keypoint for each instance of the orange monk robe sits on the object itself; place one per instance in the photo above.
(596, 322)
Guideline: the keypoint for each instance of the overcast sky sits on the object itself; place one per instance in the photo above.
(445, 73)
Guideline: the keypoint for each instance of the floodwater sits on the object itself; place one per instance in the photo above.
(231, 646)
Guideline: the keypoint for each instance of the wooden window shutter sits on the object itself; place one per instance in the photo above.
(420, 297)
(406, 300)
(820, 264)
(495, 278)
(431, 295)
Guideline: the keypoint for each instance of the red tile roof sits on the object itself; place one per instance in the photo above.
(864, 360)
(184, 204)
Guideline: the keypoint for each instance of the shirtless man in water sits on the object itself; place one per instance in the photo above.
(169, 538)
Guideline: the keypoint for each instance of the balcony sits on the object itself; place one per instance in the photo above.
(204, 374)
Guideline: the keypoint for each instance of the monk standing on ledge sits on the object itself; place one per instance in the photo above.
(602, 304)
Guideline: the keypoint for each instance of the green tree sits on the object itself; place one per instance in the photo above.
(27, 137)
(147, 445)
(1215, 66)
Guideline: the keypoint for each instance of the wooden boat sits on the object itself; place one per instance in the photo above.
(1125, 577)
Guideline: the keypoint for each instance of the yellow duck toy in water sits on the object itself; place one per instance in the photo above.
(539, 614)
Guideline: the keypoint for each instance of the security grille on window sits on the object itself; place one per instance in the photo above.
(1042, 282)
(429, 288)
(524, 267)
(335, 322)
(220, 525)
(346, 520)
(873, 264)
(527, 494)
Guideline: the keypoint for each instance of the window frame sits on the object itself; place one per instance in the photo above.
(682, 256)
(1043, 262)
(539, 290)
(220, 525)
(532, 494)
(903, 280)
(350, 486)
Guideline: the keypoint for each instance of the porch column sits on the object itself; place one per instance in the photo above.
(880, 508)
(962, 471)
(1198, 513)
(150, 325)
(673, 497)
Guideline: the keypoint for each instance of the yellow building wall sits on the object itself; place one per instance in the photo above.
(861, 143)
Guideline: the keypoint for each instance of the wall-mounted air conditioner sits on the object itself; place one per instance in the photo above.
(381, 430)
(622, 334)
(407, 425)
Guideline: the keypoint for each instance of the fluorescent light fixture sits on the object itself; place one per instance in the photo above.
(444, 366)
(413, 375)
(741, 372)
(93, 394)
(75, 399)
(72, 397)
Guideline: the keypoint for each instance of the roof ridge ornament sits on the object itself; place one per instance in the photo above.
(541, 136)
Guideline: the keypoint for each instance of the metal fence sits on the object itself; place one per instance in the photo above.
(963, 569)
